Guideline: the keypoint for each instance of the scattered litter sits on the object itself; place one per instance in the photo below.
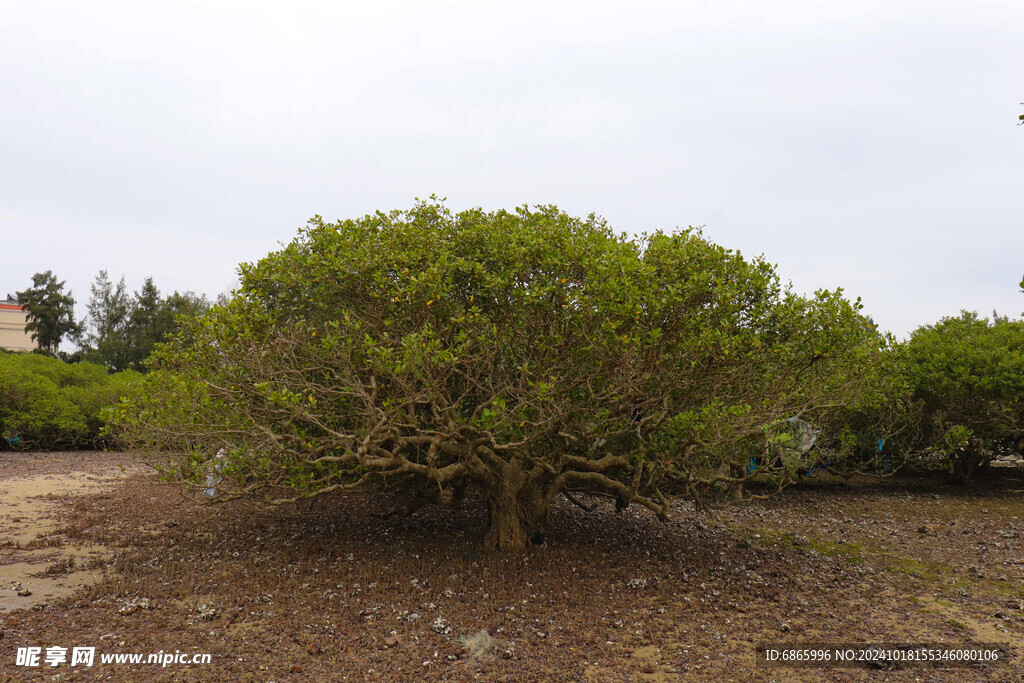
(213, 477)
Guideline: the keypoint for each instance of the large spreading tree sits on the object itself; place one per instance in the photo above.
(521, 355)
(50, 312)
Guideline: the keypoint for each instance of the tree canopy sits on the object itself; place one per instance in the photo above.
(968, 374)
(48, 404)
(105, 338)
(51, 312)
(521, 355)
(121, 330)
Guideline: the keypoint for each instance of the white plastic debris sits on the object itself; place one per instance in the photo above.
(213, 477)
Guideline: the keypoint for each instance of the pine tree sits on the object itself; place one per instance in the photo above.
(107, 341)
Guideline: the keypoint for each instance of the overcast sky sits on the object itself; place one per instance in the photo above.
(868, 145)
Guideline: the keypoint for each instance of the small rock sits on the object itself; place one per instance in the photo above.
(134, 605)
(785, 627)
(207, 612)
(415, 616)
(441, 626)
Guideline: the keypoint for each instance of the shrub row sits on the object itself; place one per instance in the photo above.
(47, 404)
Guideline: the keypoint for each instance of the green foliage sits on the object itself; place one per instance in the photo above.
(526, 353)
(47, 404)
(122, 330)
(153, 319)
(106, 341)
(968, 374)
(878, 433)
(149, 322)
(51, 312)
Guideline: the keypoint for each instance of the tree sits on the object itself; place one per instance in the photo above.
(523, 355)
(149, 320)
(107, 334)
(152, 319)
(121, 330)
(968, 374)
(50, 312)
(188, 304)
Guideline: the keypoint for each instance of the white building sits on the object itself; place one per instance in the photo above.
(13, 336)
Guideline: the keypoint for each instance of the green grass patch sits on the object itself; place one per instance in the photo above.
(851, 552)
(1005, 589)
(926, 571)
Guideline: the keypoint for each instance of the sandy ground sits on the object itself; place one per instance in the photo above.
(36, 567)
(341, 591)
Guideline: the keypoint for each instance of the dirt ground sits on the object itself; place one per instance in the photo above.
(340, 591)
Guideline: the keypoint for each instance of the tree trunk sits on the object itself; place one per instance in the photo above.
(736, 490)
(517, 509)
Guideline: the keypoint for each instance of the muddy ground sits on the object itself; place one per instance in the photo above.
(341, 591)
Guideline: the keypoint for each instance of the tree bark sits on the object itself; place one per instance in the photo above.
(517, 507)
(736, 490)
